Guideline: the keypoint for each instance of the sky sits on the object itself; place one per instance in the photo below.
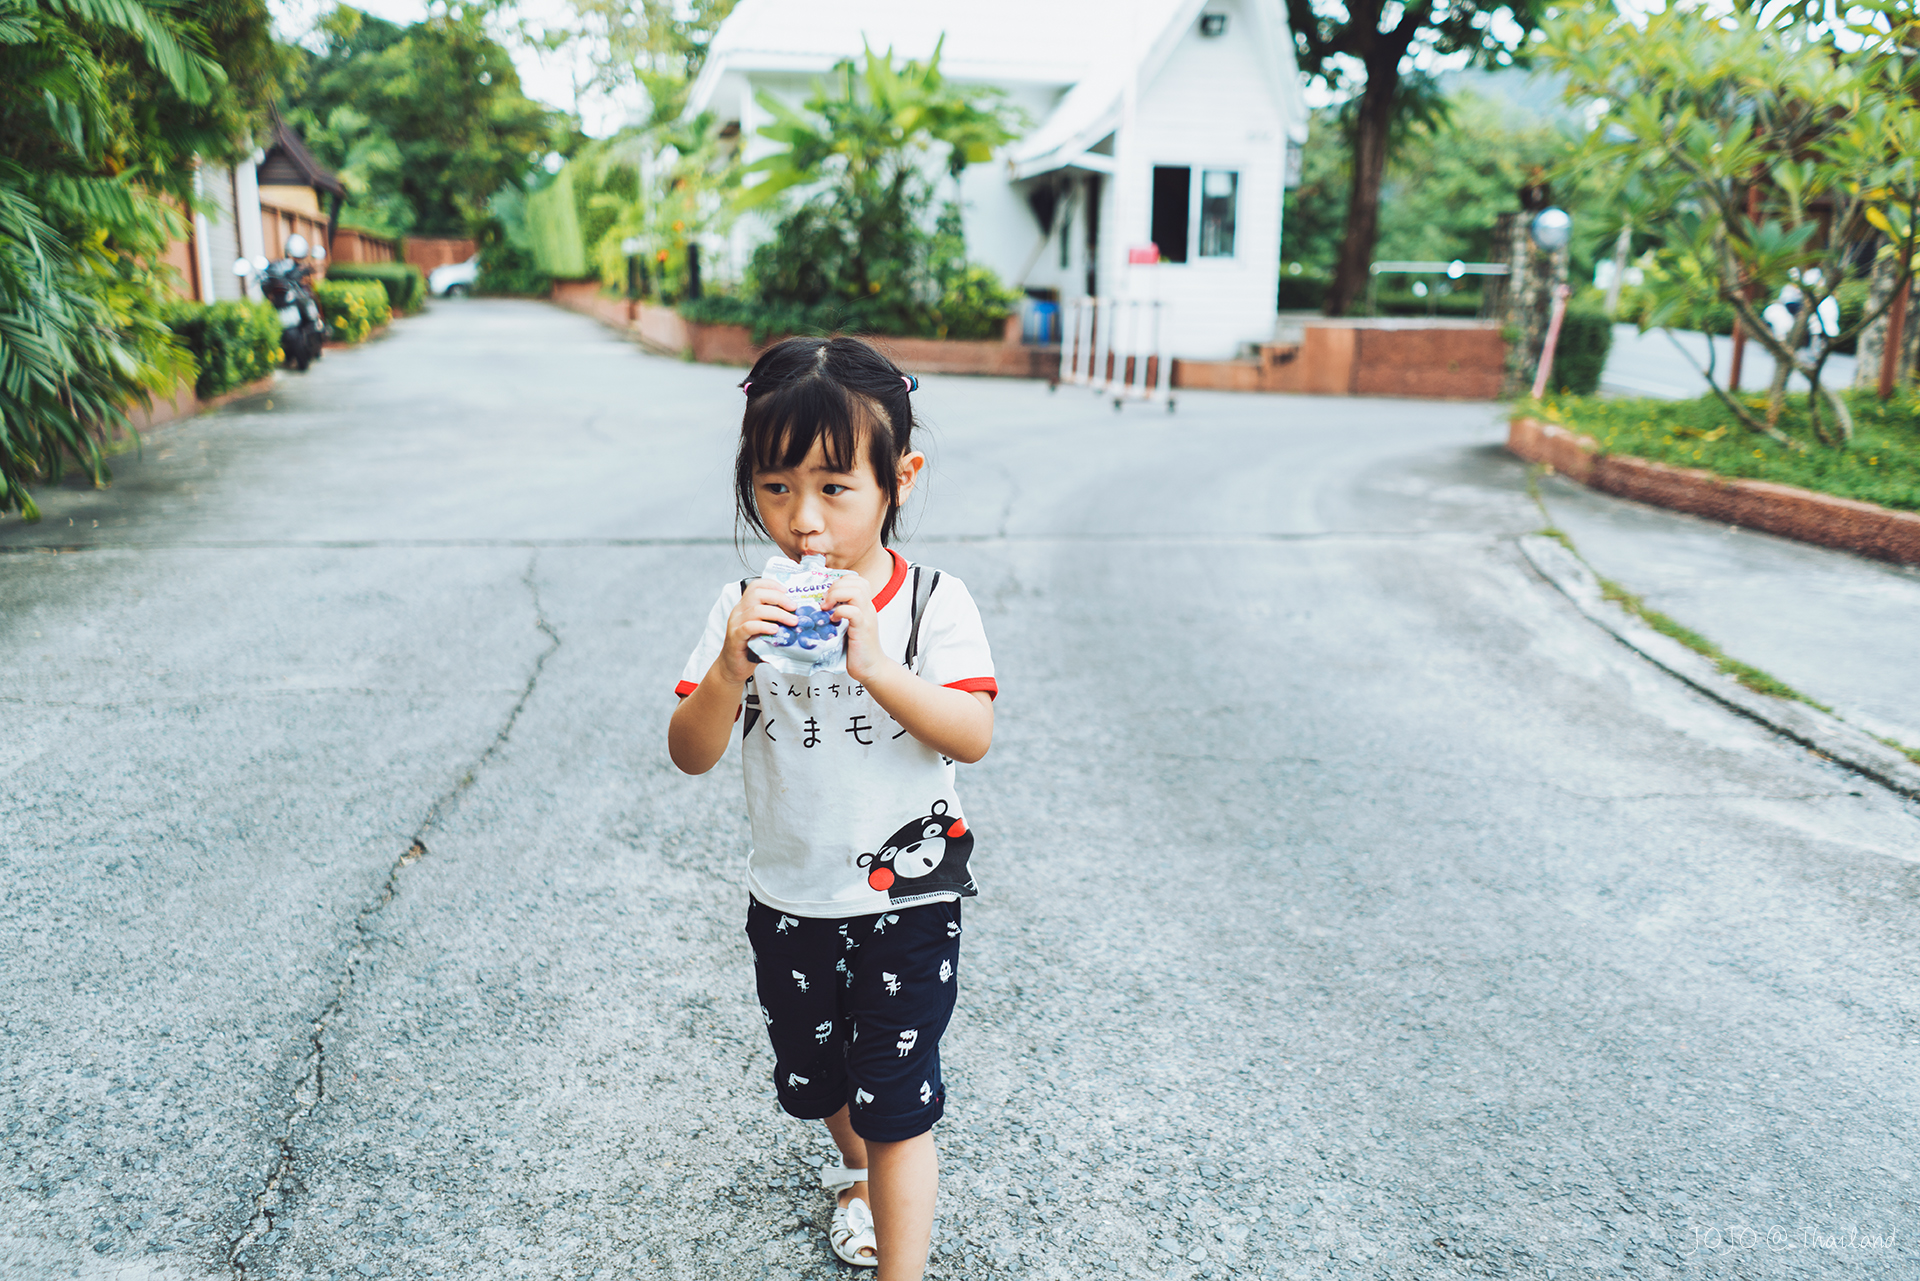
(546, 77)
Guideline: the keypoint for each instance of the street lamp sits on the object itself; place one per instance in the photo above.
(1552, 231)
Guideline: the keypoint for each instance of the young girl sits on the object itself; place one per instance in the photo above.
(859, 856)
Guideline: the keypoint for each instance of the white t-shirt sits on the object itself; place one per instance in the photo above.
(851, 814)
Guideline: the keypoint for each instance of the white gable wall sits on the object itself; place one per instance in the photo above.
(1212, 106)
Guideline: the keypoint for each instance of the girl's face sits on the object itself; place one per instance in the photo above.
(812, 510)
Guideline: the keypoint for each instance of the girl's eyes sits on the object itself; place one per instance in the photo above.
(831, 490)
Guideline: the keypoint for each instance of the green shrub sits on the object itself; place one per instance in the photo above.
(406, 287)
(1586, 336)
(974, 305)
(352, 309)
(509, 271)
(232, 343)
(1302, 292)
(1401, 302)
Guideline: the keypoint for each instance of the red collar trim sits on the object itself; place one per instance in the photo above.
(893, 584)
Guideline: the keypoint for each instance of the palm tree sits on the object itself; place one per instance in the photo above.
(104, 105)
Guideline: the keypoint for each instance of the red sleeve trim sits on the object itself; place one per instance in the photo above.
(886, 593)
(977, 683)
(685, 688)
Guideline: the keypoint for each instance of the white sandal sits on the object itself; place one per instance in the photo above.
(852, 1229)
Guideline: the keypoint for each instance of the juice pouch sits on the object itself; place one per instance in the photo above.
(816, 643)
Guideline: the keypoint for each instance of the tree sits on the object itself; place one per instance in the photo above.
(1365, 48)
(1760, 154)
(105, 109)
(423, 123)
(658, 44)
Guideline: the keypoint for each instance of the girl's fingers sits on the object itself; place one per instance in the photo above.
(773, 610)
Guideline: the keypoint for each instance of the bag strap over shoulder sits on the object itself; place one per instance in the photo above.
(925, 579)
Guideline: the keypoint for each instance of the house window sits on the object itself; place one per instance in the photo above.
(1218, 191)
(1172, 192)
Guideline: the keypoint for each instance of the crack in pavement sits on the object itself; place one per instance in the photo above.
(311, 1087)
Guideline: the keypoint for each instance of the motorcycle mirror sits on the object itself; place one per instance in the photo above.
(319, 253)
(296, 246)
(260, 263)
(241, 267)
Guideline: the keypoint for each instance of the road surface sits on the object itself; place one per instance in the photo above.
(1351, 906)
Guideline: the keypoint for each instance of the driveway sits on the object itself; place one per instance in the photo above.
(1350, 905)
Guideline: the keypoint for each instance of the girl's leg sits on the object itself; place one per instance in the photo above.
(905, 1176)
(854, 1155)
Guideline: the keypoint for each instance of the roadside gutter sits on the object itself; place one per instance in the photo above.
(1826, 735)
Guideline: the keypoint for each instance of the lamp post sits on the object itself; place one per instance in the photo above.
(1552, 231)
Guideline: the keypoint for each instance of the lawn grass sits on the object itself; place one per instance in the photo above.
(1881, 464)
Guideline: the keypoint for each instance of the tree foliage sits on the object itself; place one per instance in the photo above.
(1760, 154)
(1445, 184)
(659, 45)
(1366, 50)
(423, 123)
(104, 105)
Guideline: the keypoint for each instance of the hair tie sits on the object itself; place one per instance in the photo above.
(744, 386)
(913, 384)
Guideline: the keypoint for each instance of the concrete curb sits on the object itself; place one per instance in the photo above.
(1807, 726)
(1786, 510)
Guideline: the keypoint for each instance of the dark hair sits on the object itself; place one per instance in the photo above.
(830, 390)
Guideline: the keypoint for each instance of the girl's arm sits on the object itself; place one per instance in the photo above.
(697, 735)
(953, 722)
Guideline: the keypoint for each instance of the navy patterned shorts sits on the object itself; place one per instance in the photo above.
(855, 1008)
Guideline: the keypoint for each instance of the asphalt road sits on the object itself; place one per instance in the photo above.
(1351, 906)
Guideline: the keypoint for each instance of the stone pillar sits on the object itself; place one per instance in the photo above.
(1873, 339)
(1532, 275)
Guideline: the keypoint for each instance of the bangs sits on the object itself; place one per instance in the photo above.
(781, 428)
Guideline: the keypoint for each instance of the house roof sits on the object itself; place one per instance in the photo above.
(288, 163)
(1091, 48)
(1058, 41)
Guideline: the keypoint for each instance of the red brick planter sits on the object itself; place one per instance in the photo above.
(1787, 510)
(664, 330)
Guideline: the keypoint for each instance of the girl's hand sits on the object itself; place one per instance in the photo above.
(761, 612)
(850, 599)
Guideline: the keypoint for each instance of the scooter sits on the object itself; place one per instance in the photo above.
(283, 283)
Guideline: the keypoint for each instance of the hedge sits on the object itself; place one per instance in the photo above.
(1586, 336)
(232, 343)
(974, 309)
(406, 287)
(352, 309)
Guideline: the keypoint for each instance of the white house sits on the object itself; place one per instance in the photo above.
(1164, 122)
